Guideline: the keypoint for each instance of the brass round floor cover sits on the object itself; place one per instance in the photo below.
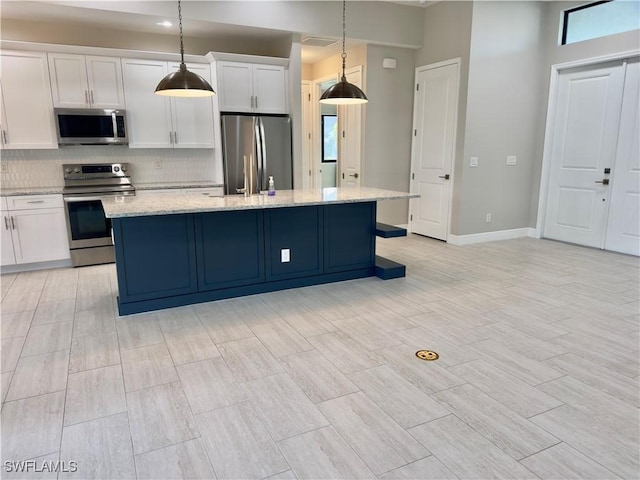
(427, 355)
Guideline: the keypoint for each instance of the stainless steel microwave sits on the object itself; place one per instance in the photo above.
(80, 126)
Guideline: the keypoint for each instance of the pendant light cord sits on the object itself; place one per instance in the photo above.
(344, 35)
(182, 64)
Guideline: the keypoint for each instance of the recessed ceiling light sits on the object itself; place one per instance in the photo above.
(165, 24)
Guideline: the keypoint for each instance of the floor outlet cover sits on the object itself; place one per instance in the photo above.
(427, 355)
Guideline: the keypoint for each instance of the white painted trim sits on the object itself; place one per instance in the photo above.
(549, 126)
(28, 267)
(595, 60)
(491, 236)
(453, 61)
(101, 51)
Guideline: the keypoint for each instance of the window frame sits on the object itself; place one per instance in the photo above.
(566, 13)
(322, 156)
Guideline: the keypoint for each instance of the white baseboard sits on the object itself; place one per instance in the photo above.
(28, 267)
(491, 236)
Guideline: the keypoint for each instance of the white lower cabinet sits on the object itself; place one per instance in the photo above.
(8, 254)
(34, 230)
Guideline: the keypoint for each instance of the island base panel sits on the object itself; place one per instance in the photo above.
(130, 308)
(166, 261)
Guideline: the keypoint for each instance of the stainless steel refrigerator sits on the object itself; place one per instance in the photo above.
(256, 146)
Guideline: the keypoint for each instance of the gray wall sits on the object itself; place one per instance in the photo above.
(378, 22)
(447, 35)
(388, 122)
(70, 33)
(503, 115)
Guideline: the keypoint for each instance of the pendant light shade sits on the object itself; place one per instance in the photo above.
(183, 83)
(343, 92)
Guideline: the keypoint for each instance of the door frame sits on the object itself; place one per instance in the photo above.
(453, 61)
(316, 134)
(556, 70)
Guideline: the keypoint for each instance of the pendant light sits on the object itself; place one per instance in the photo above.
(183, 83)
(343, 92)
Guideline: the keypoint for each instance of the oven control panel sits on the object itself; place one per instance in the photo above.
(95, 171)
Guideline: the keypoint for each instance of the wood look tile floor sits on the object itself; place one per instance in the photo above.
(538, 375)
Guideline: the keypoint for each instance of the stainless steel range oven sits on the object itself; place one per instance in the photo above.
(89, 230)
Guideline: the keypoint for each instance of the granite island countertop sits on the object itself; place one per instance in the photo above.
(119, 207)
(176, 185)
(8, 192)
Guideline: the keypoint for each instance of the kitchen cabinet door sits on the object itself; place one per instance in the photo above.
(104, 77)
(235, 82)
(148, 114)
(79, 81)
(254, 88)
(26, 95)
(6, 242)
(39, 235)
(68, 80)
(269, 89)
(192, 118)
(3, 120)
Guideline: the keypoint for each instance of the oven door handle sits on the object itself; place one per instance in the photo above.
(81, 199)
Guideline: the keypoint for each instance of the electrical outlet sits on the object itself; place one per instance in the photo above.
(488, 218)
(511, 159)
(158, 164)
(285, 255)
(473, 162)
(4, 167)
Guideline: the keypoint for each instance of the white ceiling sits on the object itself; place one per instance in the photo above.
(50, 11)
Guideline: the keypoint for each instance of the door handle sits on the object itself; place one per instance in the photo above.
(604, 181)
(446, 177)
(13, 224)
(354, 175)
(6, 223)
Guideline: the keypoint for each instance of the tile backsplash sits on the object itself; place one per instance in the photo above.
(43, 168)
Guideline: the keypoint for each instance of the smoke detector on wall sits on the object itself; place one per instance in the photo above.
(318, 42)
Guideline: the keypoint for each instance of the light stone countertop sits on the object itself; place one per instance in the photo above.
(6, 192)
(118, 207)
(171, 185)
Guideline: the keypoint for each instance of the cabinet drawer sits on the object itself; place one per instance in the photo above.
(30, 202)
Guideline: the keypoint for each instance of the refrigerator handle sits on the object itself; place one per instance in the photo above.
(263, 155)
(258, 150)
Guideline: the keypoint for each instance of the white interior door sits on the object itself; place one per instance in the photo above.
(433, 148)
(585, 134)
(307, 138)
(623, 229)
(350, 144)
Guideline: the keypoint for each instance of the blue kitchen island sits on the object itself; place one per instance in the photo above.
(189, 249)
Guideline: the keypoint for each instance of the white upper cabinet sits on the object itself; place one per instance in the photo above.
(148, 114)
(249, 87)
(85, 81)
(26, 96)
(192, 118)
(162, 122)
(269, 89)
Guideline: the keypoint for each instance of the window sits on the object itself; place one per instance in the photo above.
(600, 19)
(329, 138)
